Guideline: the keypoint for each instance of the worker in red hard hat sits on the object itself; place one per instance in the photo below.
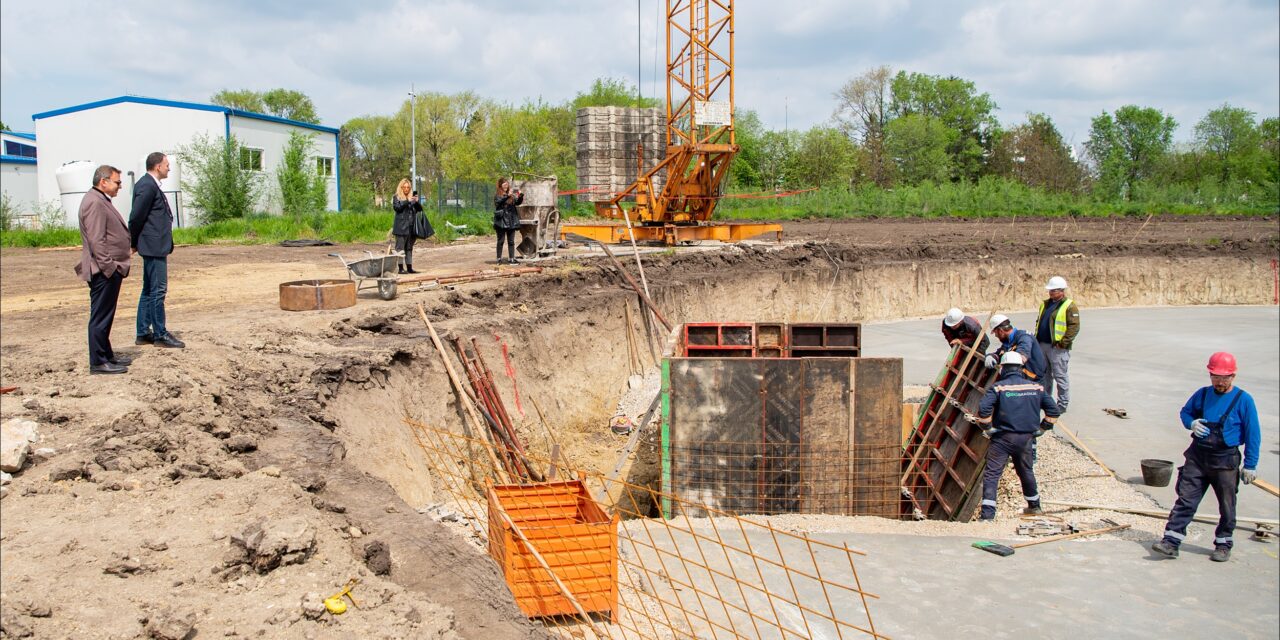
(1221, 417)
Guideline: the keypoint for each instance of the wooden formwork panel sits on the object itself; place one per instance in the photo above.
(765, 435)
(945, 453)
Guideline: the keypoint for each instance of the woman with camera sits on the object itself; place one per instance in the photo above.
(407, 207)
(506, 219)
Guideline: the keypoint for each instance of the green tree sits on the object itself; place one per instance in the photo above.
(243, 99)
(1230, 138)
(611, 92)
(1269, 132)
(4, 127)
(824, 156)
(1128, 148)
(862, 112)
(1035, 154)
(955, 104)
(219, 185)
(749, 133)
(367, 159)
(776, 148)
(918, 144)
(282, 103)
(303, 190)
(290, 104)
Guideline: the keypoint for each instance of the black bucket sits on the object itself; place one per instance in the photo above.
(1156, 473)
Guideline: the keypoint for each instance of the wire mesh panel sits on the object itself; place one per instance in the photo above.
(717, 576)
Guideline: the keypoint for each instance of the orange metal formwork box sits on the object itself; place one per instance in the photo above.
(578, 540)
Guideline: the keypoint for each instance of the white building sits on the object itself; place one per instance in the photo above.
(122, 131)
(18, 173)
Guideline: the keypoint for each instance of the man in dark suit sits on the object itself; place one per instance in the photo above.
(151, 235)
(104, 263)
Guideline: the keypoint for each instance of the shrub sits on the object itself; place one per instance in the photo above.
(220, 187)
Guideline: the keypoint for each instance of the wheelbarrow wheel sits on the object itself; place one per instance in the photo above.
(387, 288)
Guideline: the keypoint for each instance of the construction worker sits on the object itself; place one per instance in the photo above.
(957, 329)
(1018, 341)
(1010, 413)
(1057, 325)
(1220, 418)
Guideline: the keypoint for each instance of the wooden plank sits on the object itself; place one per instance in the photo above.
(826, 436)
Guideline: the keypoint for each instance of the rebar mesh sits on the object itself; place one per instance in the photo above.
(713, 575)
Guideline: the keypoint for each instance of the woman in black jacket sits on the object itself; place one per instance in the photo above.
(505, 218)
(407, 207)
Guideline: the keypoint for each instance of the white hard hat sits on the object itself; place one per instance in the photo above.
(997, 320)
(954, 316)
(1056, 282)
(1012, 357)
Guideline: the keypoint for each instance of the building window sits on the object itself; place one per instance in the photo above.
(324, 166)
(250, 159)
(12, 148)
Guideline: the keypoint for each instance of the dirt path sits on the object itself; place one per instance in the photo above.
(143, 480)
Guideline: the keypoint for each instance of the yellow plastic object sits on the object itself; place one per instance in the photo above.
(335, 605)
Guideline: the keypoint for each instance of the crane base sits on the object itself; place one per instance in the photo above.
(673, 234)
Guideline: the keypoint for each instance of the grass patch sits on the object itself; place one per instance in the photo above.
(338, 227)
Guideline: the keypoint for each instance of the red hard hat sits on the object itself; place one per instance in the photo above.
(1222, 364)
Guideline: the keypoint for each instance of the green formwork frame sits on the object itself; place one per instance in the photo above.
(666, 438)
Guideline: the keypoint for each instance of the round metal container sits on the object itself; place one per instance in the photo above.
(314, 295)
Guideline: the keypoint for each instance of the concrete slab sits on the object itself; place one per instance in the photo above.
(1147, 361)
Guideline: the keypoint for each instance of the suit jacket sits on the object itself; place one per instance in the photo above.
(150, 220)
(103, 236)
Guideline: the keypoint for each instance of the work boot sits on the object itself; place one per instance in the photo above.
(988, 514)
(1033, 509)
(1220, 554)
(1166, 548)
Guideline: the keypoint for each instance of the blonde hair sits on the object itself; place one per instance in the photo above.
(400, 187)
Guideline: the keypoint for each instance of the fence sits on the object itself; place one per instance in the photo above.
(457, 195)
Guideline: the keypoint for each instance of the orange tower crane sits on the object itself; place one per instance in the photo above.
(699, 137)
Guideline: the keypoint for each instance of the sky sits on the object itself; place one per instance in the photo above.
(1070, 60)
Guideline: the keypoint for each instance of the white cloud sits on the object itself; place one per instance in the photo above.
(1070, 60)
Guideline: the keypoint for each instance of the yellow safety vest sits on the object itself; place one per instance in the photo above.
(1059, 318)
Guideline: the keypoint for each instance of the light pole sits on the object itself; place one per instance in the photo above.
(413, 135)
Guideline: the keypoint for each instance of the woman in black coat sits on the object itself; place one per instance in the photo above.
(505, 218)
(407, 208)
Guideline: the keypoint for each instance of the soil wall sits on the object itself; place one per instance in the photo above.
(573, 357)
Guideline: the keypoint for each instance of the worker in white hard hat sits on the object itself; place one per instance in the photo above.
(1057, 325)
(1010, 414)
(959, 329)
(1018, 341)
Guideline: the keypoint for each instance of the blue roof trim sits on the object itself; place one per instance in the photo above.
(297, 123)
(22, 134)
(17, 159)
(181, 105)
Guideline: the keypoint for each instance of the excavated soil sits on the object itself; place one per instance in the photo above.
(125, 518)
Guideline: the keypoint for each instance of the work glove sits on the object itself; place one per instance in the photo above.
(991, 362)
(1247, 476)
(989, 432)
(1199, 428)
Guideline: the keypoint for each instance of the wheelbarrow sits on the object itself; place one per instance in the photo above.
(377, 268)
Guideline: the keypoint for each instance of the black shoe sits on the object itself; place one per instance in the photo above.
(502, 260)
(169, 342)
(108, 367)
(1032, 509)
(410, 270)
(1164, 548)
(1220, 554)
(515, 261)
(123, 361)
(147, 339)
(400, 270)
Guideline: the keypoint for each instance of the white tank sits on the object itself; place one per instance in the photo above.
(75, 178)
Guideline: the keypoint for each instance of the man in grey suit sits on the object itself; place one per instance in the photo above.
(104, 263)
(151, 235)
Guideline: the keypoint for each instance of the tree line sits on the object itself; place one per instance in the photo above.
(887, 130)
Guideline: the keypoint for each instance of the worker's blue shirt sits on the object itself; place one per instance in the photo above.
(1026, 345)
(1241, 427)
(1016, 402)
